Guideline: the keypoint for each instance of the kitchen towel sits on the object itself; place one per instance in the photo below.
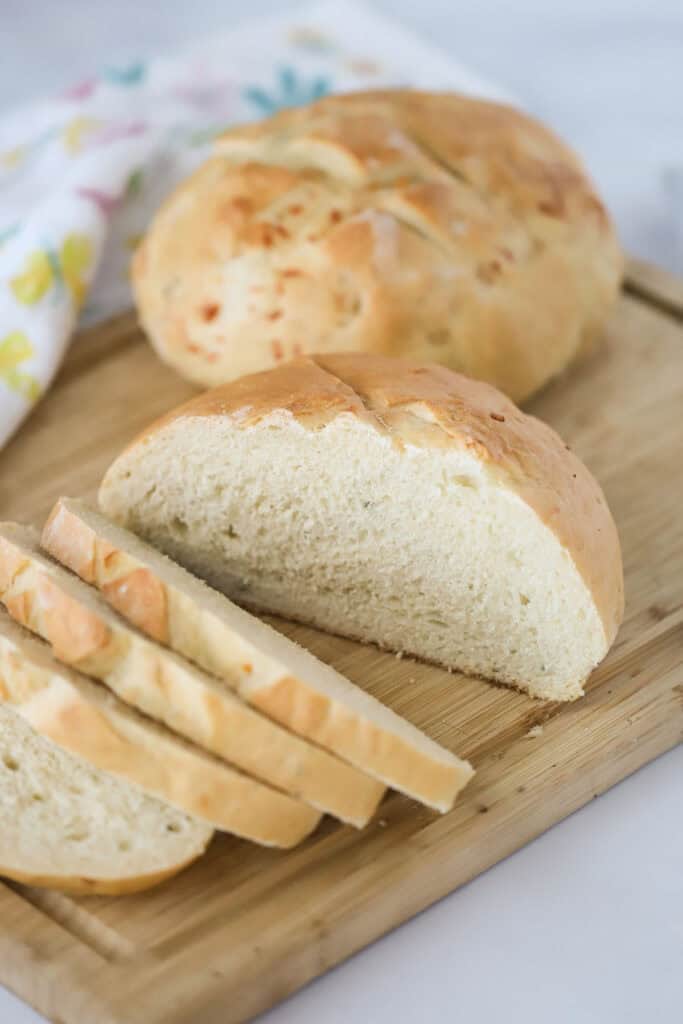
(82, 173)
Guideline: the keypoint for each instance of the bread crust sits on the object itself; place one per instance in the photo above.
(166, 688)
(426, 225)
(97, 886)
(83, 718)
(142, 598)
(139, 593)
(434, 408)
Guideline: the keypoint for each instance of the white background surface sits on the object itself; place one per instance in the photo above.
(585, 925)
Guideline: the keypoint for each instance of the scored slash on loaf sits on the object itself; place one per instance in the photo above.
(88, 721)
(428, 225)
(267, 670)
(391, 502)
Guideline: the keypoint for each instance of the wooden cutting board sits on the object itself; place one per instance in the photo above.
(244, 927)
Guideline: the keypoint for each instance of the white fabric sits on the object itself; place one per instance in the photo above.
(81, 174)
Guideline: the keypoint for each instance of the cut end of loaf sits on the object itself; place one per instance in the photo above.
(423, 549)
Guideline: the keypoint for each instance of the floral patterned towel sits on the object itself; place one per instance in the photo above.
(82, 173)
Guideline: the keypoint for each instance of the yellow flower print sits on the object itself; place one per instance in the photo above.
(310, 39)
(30, 286)
(75, 132)
(75, 257)
(12, 157)
(46, 267)
(15, 348)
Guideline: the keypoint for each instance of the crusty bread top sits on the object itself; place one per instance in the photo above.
(433, 407)
(428, 225)
(357, 137)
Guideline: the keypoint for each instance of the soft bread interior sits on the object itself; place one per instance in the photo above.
(419, 550)
(85, 718)
(252, 640)
(63, 819)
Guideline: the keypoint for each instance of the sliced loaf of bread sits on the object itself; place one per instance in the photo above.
(84, 632)
(269, 671)
(391, 502)
(67, 825)
(84, 718)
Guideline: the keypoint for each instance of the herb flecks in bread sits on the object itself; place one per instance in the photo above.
(392, 502)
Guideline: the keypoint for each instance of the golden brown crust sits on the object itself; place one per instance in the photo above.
(329, 723)
(144, 599)
(84, 719)
(132, 589)
(433, 407)
(427, 225)
(434, 777)
(96, 886)
(42, 597)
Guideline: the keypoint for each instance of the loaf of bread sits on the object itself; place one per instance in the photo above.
(85, 719)
(392, 502)
(66, 825)
(85, 633)
(269, 671)
(432, 226)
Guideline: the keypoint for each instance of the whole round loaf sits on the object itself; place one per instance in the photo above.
(432, 226)
(391, 502)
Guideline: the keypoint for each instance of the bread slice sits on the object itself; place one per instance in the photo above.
(66, 825)
(86, 633)
(267, 669)
(391, 502)
(85, 719)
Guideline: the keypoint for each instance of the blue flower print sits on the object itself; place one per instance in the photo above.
(290, 91)
(126, 75)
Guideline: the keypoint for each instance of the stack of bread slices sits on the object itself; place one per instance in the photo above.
(141, 710)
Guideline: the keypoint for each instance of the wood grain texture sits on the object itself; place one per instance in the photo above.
(656, 286)
(244, 927)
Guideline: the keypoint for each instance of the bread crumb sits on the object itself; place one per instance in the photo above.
(536, 730)
(382, 822)
(399, 654)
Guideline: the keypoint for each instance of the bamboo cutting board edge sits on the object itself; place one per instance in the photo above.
(200, 950)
